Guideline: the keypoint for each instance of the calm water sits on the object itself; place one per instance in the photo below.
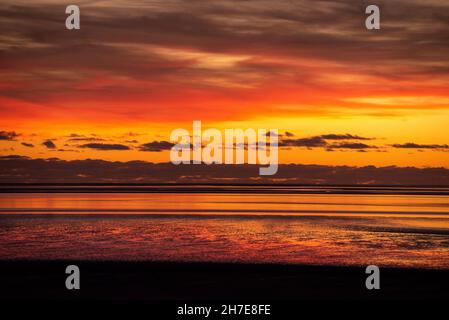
(330, 229)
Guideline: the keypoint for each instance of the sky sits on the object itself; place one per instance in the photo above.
(136, 70)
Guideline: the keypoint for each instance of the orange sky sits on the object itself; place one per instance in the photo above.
(138, 69)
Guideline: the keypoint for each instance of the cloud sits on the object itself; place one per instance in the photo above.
(272, 133)
(351, 145)
(14, 157)
(104, 146)
(76, 137)
(279, 135)
(26, 144)
(411, 145)
(19, 169)
(66, 150)
(320, 141)
(231, 56)
(156, 146)
(49, 144)
(8, 135)
(303, 142)
(347, 136)
(85, 139)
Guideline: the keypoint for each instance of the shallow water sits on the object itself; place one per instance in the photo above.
(325, 229)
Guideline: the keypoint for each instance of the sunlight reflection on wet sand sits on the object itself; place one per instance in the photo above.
(401, 230)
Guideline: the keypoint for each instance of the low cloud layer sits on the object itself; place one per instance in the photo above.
(19, 169)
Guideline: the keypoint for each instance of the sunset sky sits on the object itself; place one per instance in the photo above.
(115, 89)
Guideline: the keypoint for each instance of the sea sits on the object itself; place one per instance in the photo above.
(337, 226)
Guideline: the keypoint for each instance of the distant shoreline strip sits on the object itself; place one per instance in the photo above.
(105, 211)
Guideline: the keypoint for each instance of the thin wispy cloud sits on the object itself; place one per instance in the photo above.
(105, 146)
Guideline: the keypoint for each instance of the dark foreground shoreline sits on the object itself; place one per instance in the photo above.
(214, 282)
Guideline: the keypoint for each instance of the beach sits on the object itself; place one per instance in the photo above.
(245, 243)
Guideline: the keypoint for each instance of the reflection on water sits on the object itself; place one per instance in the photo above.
(334, 229)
